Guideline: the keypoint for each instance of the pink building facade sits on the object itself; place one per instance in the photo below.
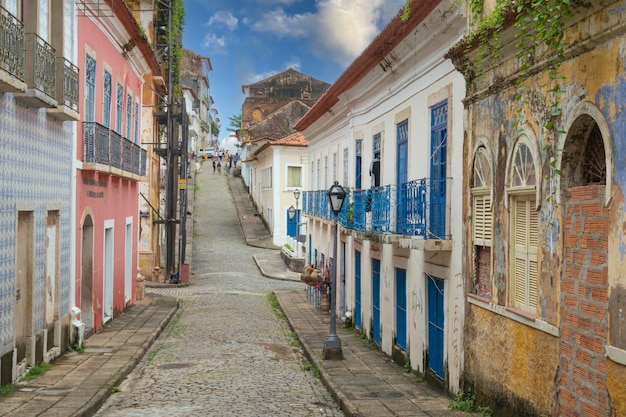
(114, 56)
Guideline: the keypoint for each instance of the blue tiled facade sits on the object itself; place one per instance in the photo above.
(35, 170)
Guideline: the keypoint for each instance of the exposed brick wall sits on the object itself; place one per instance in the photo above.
(482, 274)
(582, 365)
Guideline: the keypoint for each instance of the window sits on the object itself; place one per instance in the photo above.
(266, 177)
(120, 103)
(481, 195)
(319, 164)
(137, 123)
(482, 223)
(106, 106)
(129, 115)
(90, 89)
(376, 144)
(346, 155)
(326, 184)
(524, 230)
(358, 152)
(334, 178)
(294, 177)
(375, 164)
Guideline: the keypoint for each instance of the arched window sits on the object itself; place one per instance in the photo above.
(482, 222)
(524, 229)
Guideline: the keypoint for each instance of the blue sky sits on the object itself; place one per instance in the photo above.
(249, 40)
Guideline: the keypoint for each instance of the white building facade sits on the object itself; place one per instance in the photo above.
(390, 131)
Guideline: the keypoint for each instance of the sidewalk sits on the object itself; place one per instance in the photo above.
(79, 383)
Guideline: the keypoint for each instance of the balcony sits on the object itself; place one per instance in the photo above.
(40, 73)
(107, 151)
(12, 56)
(417, 210)
(66, 91)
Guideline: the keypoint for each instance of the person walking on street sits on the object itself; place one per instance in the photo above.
(214, 165)
(219, 167)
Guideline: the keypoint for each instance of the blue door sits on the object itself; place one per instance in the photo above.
(357, 289)
(292, 224)
(401, 308)
(438, 170)
(402, 172)
(435, 326)
(376, 301)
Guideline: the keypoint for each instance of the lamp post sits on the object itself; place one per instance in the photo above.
(296, 194)
(332, 345)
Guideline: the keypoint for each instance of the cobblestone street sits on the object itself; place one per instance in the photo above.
(226, 353)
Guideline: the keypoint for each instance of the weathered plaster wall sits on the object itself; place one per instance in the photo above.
(499, 368)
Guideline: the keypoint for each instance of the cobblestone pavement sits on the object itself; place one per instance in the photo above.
(226, 353)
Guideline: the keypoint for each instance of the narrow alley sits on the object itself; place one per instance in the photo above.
(226, 353)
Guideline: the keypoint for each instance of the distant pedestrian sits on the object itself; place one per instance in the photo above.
(235, 159)
(219, 167)
(214, 165)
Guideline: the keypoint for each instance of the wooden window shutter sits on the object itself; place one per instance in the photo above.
(482, 220)
(525, 235)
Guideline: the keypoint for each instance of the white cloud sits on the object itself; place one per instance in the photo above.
(294, 63)
(281, 24)
(346, 27)
(341, 29)
(253, 78)
(285, 2)
(223, 18)
(214, 43)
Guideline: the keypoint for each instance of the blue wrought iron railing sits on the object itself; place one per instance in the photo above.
(417, 208)
(106, 147)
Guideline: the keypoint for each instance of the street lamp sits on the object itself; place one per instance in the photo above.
(296, 194)
(332, 345)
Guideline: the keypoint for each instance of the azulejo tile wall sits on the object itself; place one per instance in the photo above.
(35, 172)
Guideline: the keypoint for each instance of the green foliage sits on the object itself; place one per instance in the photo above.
(37, 371)
(467, 402)
(236, 125)
(313, 368)
(75, 347)
(215, 128)
(6, 389)
(287, 246)
(276, 306)
(406, 11)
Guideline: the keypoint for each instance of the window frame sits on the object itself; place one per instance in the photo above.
(287, 176)
(522, 181)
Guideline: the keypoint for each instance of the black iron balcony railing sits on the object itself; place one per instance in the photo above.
(69, 94)
(417, 208)
(41, 75)
(12, 50)
(106, 147)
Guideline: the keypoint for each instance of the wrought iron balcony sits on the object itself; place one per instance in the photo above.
(423, 207)
(39, 74)
(418, 208)
(12, 53)
(106, 150)
(66, 91)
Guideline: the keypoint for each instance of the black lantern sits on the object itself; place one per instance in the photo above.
(336, 194)
(291, 212)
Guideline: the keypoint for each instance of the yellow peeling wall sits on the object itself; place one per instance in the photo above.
(509, 365)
